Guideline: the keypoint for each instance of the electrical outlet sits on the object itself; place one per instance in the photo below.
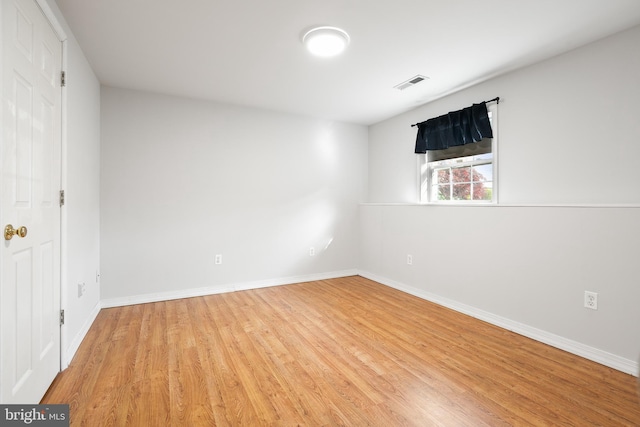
(81, 289)
(409, 260)
(591, 300)
(312, 251)
(218, 259)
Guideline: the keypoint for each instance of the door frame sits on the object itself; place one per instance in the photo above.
(56, 24)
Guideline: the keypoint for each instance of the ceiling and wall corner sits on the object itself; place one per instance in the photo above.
(251, 53)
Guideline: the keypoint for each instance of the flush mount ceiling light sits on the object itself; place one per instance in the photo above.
(326, 41)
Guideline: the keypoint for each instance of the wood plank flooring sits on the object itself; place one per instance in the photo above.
(341, 352)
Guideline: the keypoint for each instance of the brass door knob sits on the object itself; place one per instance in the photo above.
(9, 232)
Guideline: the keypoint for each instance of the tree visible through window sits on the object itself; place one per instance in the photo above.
(464, 182)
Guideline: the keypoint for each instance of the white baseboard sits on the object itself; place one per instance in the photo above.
(212, 290)
(611, 360)
(77, 340)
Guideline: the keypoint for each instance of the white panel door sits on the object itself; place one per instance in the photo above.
(30, 174)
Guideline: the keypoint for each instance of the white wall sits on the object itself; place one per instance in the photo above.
(81, 182)
(82, 197)
(184, 180)
(569, 134)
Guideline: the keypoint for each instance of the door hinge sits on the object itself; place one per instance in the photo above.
(61, 198)
(63, 78)
(61, 317)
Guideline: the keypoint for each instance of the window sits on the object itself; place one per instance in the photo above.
(464, 174)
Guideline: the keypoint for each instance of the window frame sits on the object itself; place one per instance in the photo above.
(425, 178)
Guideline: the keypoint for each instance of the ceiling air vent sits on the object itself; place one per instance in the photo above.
(411, 82)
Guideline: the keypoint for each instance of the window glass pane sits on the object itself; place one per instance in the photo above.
(482, 173)
(461, 192)
(461, 175)
(443, 176)
(482, 191)
(444, 192)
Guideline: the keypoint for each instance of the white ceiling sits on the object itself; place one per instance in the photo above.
(249, 52)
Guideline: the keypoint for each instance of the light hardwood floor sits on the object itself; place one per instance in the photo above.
(336, 352)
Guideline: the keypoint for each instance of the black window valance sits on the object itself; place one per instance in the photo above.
(456, 128)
